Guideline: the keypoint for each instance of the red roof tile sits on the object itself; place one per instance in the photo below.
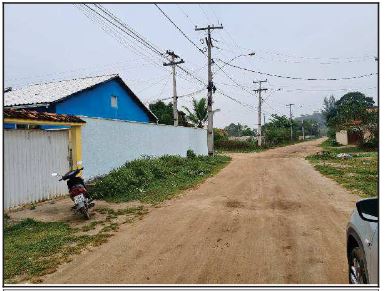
(40, 116)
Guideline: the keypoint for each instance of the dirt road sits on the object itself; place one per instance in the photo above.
(267, 218)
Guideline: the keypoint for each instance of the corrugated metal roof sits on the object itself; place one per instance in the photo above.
(40, 116)
(51, 92)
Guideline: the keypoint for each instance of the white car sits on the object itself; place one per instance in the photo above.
(362, 243)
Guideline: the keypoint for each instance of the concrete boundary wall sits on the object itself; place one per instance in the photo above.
(108, 144)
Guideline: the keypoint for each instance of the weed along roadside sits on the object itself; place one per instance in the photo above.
(353, 167)
(152, 180)
(35, 245)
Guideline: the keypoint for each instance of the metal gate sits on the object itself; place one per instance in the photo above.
(30, 156)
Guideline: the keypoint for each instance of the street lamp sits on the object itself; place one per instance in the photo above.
(234, 58)
(243, 55)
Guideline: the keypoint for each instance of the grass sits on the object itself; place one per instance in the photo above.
(237, 146)
(153, 180)
(358, 173)
(33, 248)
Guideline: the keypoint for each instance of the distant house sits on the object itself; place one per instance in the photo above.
(350, 135)
(102, 96)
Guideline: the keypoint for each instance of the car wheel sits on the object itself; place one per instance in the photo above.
(357, 267)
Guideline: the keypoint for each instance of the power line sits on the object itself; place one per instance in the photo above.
(185, 95)
(112, 31)
(134, 35)
(180, 30)
(246, 105)
(365, 57)
(158, 53)
(185, 14)
(234, 81)
(204, 12)
(297, 78)
(155, 83)
(145, 43)
(125, 30)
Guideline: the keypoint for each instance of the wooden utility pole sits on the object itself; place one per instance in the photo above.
(303, 131)
(210, 89)
(259, 125)
(173, 63)
(291, 121)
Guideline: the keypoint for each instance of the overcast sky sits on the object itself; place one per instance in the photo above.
(44, 42)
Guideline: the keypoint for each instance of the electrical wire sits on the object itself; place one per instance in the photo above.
(143, 42)
(298, 78)
(130, 31)
(116, 34)
(180, 30)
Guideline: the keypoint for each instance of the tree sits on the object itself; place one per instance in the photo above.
(329, 110)
(314, 124)
(353, 106)
(277, 130)
(220, 135)
(311, 127)
(163, 111)
(165, 114)
(233, 129)
(199, 114)
(239, 130)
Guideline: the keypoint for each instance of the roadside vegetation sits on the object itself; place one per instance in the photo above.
(353, 166)
(358, 171)
(153, 180)
(276, 133)
(34, 248)
(355, 113)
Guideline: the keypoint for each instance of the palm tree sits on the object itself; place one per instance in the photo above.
(199, 115)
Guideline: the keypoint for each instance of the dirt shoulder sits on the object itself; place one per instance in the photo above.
(267, 218)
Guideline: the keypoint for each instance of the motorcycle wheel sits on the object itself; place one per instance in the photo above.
(85, 213)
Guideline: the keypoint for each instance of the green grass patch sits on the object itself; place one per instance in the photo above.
(237, 146)
(358, 173)
(33, 248)
(152, 180)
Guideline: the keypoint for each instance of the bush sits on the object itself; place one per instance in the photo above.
(237, 146)
(220, 135)
(155, 179)
(277, 135)
(371, 144)
(333, 143)
(190, 154)
(331, 133)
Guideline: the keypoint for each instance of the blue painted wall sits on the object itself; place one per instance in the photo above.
(96, 102)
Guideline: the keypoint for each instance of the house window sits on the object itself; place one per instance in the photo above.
(114, 101)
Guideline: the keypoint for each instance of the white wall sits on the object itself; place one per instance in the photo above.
(30, 157)
(108, 144)
(342, 137)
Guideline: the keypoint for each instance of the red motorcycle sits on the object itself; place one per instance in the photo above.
(78, 192)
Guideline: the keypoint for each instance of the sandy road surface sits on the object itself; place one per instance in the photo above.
(267, 218)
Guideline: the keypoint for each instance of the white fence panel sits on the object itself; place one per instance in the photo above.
(30, 156)
(108, 144)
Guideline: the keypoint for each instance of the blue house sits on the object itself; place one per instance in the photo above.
(102, 96)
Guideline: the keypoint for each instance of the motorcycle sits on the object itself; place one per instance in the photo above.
(78, 192)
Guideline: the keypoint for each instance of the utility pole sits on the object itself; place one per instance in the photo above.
(259, 126)
(303, 131)
(291, 121)
(210, 88)
(173, 63)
